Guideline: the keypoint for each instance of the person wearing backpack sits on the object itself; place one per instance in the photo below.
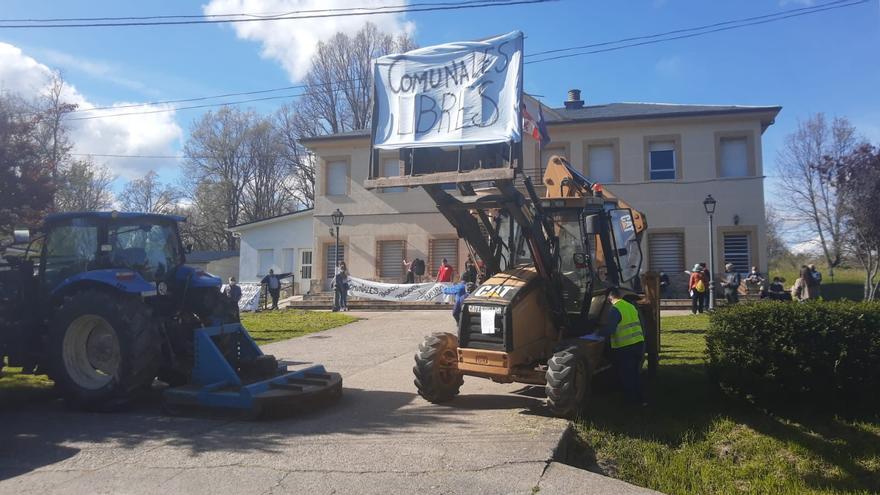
(697, 286)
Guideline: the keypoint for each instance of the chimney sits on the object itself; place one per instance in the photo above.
(574, 99)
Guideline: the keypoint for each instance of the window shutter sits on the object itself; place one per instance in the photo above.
(737, 250)
(439, 249)
(389, 256)
(337, 179)
(734, 157)
(666, 252)
(601, 161)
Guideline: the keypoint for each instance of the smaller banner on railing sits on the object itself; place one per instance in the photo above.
(429, 292)
(250, 296)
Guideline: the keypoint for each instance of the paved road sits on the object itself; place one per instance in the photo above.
(380, 438)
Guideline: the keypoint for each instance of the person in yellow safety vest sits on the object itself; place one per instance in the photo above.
(627, 345)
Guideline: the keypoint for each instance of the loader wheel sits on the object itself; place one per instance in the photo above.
(103, 349)
(436, 370)
(568, 382)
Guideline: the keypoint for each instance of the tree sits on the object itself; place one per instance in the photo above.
(216, 158)
(338, 98)
(25, 179)
(270, 192)
(812, 196)
(856, 176)
(52, 132)
(149, 195)
(777, 250)
(84, 186)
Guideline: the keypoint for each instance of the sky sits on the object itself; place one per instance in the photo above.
(827, 62)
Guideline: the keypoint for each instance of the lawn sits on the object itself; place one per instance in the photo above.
(265, 327)
(695, 439)
(848, 282)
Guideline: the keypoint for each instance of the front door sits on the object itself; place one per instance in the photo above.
(305, 270)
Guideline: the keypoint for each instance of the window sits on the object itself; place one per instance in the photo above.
(337, 178)
(439, 249)
(70, 249)
(389, 256)
(734, 156)
(537, 173)
(288, 257)
(737, 251)
(330, 259)
(305, 267)
(661, 160)
(149, 249)
(601, 163)
(266, 257)
(391, 168)
(666, 252)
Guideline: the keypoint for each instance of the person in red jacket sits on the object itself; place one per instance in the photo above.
(445, 273)
(697, 286)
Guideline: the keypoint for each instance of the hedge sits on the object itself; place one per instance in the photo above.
(821, 353)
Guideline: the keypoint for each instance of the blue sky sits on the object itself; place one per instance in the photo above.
(825, 62)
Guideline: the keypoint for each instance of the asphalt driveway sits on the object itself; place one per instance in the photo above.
(381, 437)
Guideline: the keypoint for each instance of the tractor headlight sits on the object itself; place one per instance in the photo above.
(162, 288)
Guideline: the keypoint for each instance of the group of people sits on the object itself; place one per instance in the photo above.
(806, 286)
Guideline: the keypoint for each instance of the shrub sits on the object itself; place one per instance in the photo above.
(822, 353)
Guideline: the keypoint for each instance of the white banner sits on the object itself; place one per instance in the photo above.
(463, 93)
(430, 292)
(250, 296)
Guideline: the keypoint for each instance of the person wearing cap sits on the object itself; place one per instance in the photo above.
(730, 284)
(697, 285)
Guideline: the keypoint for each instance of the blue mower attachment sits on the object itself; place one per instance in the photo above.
(244, 380)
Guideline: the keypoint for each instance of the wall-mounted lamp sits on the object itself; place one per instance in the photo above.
(736, 219)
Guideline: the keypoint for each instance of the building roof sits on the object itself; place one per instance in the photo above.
(206, 256)
(269, 220)
(607, 112)
(628, 111)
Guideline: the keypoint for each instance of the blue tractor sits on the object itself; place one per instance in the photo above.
(104, 304)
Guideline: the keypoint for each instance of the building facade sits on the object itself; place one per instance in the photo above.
(283, 243)
(662, 159)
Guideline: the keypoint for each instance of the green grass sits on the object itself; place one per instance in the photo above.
(271, 326)
(848, 282)
(265, 327)
(695, 439)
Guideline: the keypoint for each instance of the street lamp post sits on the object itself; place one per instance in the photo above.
(337, 218)
(709, 205)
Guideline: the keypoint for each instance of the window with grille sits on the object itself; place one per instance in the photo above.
(330, 259)
(738, 252)
(666, 252)
(389, 259)
(662, 160)
(439, 249)
(734, 157)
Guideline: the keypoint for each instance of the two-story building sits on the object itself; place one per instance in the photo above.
(663, 159)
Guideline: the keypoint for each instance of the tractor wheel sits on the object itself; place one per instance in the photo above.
(568, 382)
(436, 370)
(103, 349)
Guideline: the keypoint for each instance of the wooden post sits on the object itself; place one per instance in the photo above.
(650, 309)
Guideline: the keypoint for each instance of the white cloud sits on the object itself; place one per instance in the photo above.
(95, 68)
(293, 42)
(145, 134)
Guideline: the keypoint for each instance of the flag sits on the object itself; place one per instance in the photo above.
(535, 127)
